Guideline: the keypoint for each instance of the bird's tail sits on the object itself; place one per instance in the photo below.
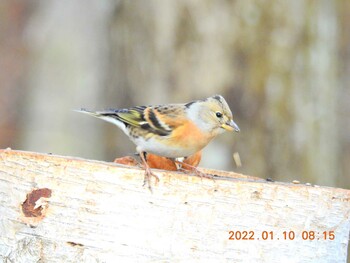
(88, 112)
(107, 115)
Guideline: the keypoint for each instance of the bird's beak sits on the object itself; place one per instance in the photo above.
(230, 126)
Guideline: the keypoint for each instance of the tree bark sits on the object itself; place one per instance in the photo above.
(64, 209)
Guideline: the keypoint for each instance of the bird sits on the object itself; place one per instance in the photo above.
(171, 130)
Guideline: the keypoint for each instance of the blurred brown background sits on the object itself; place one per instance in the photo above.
(283, 66)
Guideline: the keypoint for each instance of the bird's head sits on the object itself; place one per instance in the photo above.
(213, 114)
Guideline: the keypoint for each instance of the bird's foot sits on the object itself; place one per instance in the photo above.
(147, 178)
(187, 168)
(148, 172)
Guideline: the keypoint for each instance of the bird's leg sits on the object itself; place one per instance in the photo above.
(185, 167)
(148, 172)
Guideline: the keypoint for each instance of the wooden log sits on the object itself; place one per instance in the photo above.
(63, 209)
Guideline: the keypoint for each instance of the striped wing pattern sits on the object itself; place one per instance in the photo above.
(142, 117)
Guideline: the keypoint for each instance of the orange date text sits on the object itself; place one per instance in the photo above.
(284, 235)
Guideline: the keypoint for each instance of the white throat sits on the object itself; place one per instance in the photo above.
(196, 114)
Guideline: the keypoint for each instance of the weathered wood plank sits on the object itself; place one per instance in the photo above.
(99, 212)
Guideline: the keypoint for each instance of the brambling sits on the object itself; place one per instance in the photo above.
(173, 130)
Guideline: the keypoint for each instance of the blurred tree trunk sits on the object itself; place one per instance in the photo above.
(13, 54)
(69, 55)
(300, 90)
(344, 98)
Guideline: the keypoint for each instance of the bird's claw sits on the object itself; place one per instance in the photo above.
(147, 178)
(193, 170)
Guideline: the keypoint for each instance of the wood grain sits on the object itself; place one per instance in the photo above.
(90, 211)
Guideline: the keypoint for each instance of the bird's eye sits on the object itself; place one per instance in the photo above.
(219, 114)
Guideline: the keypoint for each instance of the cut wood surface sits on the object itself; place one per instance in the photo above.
(65, 209)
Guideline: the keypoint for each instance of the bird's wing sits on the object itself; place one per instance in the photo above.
(144, 117)
(147, 118)
(133, 116)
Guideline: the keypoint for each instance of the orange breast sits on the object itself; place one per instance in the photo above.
(187, 135)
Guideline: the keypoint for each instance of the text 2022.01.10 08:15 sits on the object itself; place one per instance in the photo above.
(285, 235)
